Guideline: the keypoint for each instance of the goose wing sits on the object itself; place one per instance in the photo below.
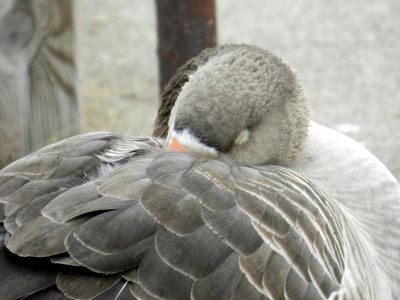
(134, 222)
(29, 184)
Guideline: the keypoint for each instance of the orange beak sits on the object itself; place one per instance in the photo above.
(176, 146)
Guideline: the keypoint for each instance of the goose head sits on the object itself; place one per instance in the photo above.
(242, 101)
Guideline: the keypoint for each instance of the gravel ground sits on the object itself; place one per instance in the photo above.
(346, 52)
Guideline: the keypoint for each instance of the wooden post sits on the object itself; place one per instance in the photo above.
(185, 27)
(38, 95)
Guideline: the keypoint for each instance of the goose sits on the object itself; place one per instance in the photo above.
(238, 195)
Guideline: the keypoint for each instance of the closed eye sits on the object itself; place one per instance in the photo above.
(242, 137)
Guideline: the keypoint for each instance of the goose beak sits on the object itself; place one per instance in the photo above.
(175, 145)
(185, 142)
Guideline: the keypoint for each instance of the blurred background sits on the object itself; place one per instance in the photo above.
(346, 52)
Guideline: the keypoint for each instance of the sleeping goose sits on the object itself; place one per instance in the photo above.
(239, 196)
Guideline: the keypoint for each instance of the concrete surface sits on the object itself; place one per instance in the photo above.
(346, 52)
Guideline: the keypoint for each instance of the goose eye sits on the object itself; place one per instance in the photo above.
(242, 137)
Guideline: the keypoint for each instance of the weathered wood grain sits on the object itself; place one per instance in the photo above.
(38, 93)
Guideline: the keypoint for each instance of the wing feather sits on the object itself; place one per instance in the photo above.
(178, 211)
(51, 293)
(209, 192)
(116, 230)
(195, 255)
(177, 227)
(120, 291)
(108, 263)
(41, 237)
(83, 285)
(140, 293)
(235, 228)
(310, 232)
(21, 277)
(220, 284)
(160, 280)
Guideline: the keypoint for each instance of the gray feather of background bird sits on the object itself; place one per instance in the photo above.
(38, 93)
(260, 203)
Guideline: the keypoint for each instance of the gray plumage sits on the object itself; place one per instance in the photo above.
(108, 216)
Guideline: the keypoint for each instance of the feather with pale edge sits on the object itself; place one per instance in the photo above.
(132, 222)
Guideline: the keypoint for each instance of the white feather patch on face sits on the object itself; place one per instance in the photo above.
(188, 140)
(242, 137)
